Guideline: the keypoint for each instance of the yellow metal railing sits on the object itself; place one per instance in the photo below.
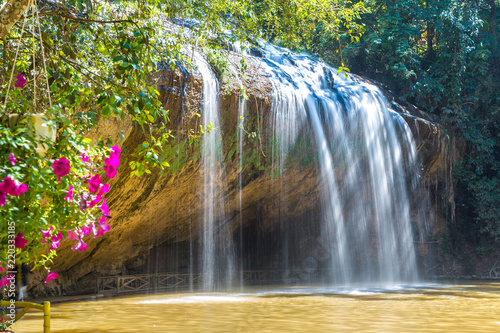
(45, 307)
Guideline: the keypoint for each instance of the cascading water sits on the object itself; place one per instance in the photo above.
(217, 254)
(288, 116)
(363, 153)
(366, 163)
(241, 134)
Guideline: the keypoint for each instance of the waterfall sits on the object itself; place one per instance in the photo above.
(365, 164)
(241, 135)
(217, 253)
(364, 152)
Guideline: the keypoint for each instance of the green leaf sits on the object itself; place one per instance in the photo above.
(106, 111)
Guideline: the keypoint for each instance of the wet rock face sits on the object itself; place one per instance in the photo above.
(156, 216)
(432, 144)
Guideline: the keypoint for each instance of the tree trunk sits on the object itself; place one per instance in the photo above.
(10, 13)
(430, 55)
(430, 40)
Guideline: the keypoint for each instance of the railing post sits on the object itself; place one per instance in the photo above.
(22, 312)
(46, 317)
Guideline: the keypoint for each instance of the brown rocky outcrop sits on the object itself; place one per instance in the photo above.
(163, 211)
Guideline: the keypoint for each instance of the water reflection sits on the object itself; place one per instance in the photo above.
(417, 308)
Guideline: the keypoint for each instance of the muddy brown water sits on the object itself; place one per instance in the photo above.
(472, 307)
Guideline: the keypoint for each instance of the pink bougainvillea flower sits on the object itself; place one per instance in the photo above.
(104, 207)
(80, 246)
(51, 276)
(19, 190)
(100, 228)
(21, 81)
(72, 235)
(69, 196)
(61, 168)
(8, 186)
(95, 200)
(86, 229)
(112, 162)
(103, 189)
(115, 150)
(85, 158)
(45, 234)
(55, 241)
(113, 159)
(80, 232)
(5, 281)
(19, 241)
(114, 156)
(12, 159)
(110, 171)
(94, 182)
(2, 269)
(58, 237)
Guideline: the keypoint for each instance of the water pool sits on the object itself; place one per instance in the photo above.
(473, 307)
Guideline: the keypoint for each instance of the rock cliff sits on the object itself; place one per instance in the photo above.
(156, 218)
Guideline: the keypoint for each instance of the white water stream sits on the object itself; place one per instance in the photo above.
(364, 153)
(366, 160)
(217, 253)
